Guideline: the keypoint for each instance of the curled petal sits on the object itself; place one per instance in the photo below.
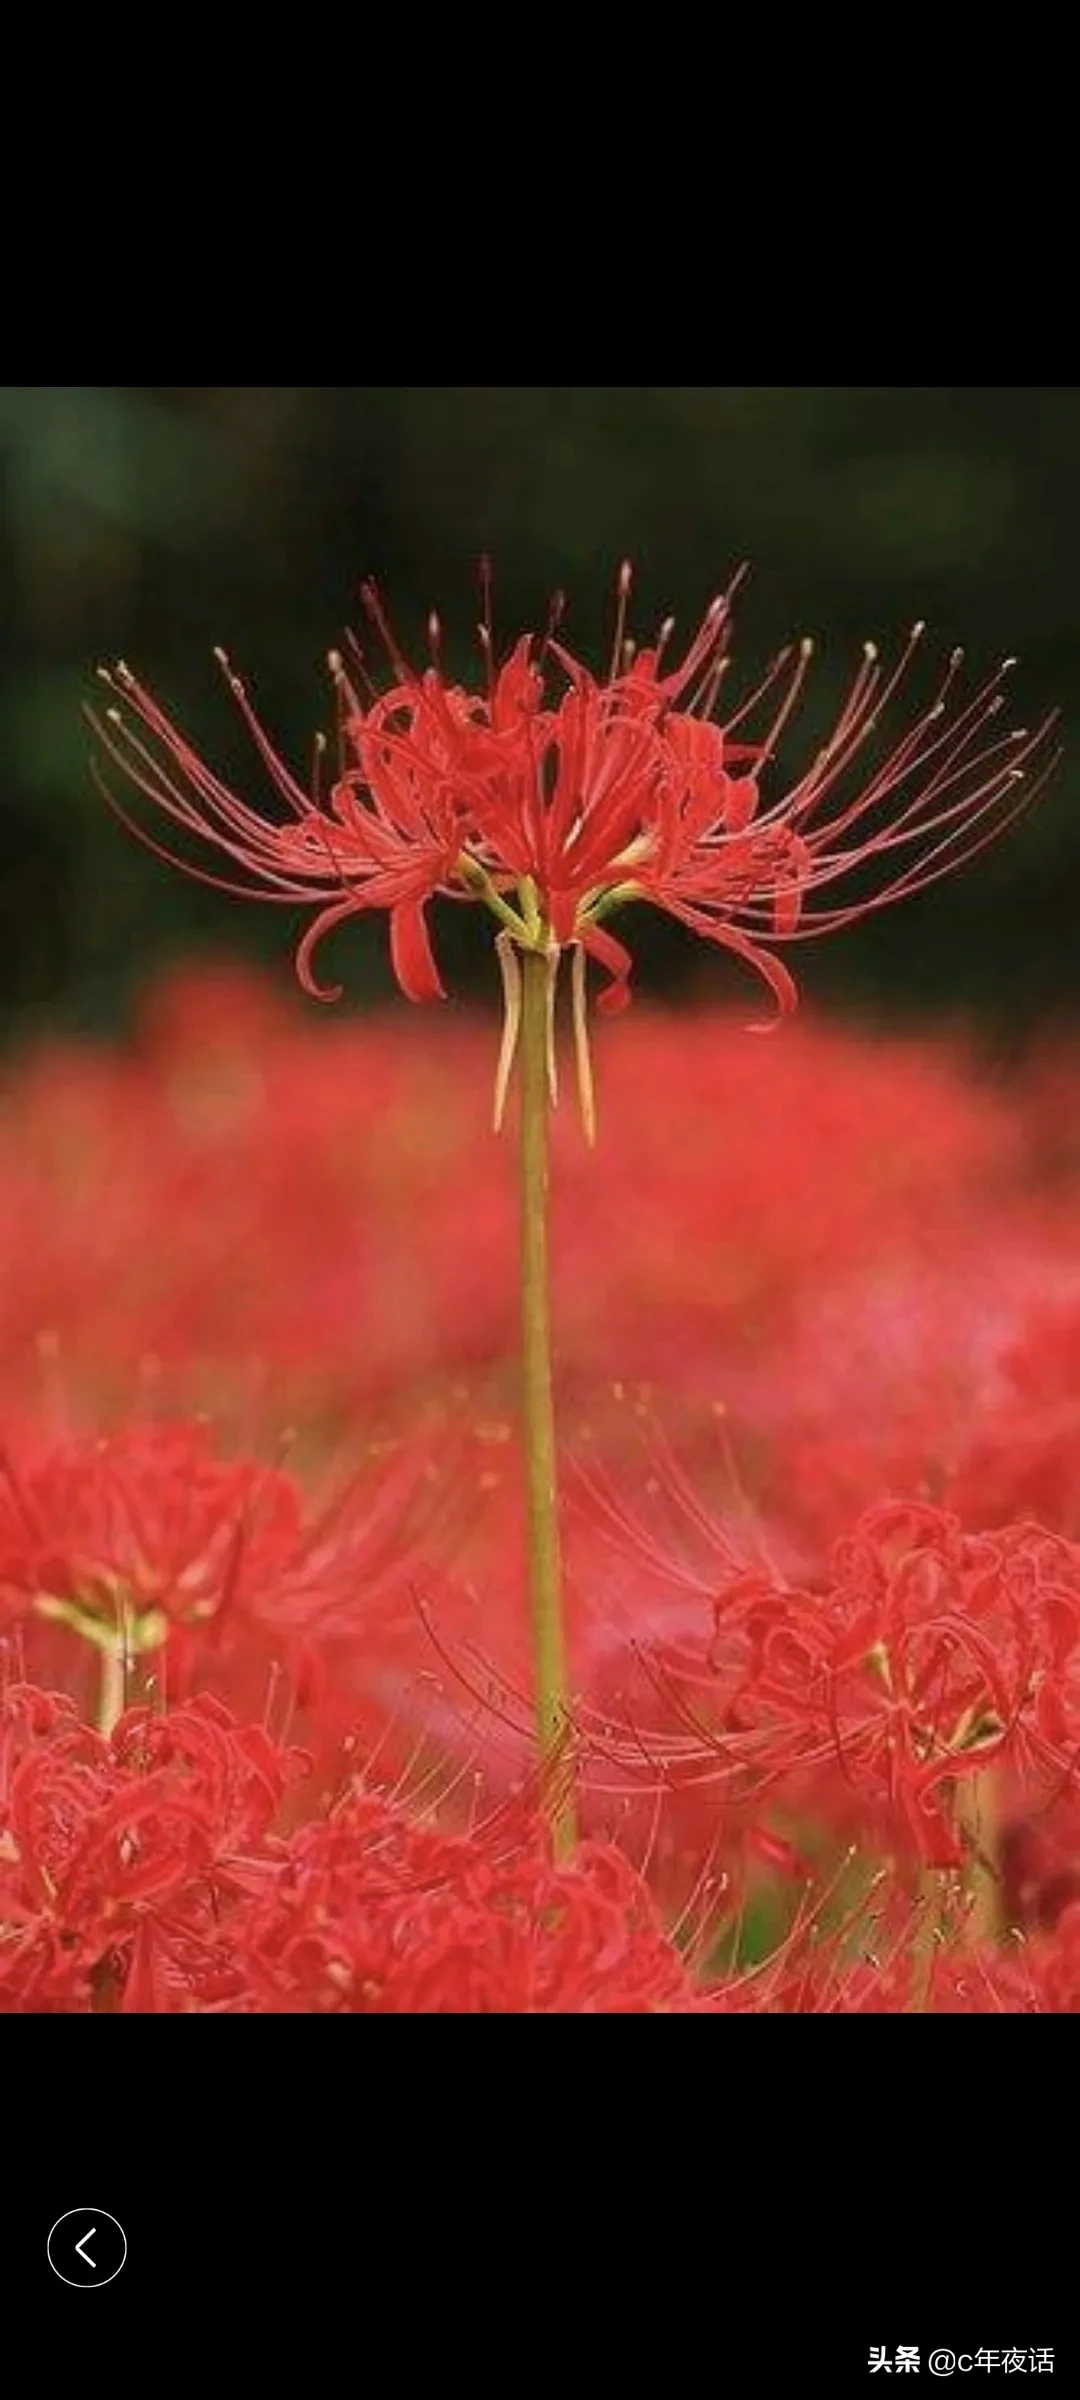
(411, 953)
(616, 958)
(782, 985)
(324, 923)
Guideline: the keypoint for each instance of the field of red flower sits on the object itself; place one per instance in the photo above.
(265, 1723)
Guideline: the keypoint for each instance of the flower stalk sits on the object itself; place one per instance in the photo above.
(553, 797)
(118, 1643)
(978, 1811)
(112, 1689)
(538, 1408)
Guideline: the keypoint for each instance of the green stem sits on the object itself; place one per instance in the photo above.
(479, 881)
(538, 1410)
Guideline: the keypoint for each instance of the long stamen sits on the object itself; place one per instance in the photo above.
(356, 653)
(556, 613)
(622, 588)
(348, 701)
(775, 667)
(373, 602)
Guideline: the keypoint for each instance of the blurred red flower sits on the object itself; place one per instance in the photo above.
(145, 1874)
(184, 1566)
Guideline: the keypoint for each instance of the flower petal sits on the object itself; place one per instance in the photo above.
(323, 923)
(616, 958)
(783, 986)
(411, 953)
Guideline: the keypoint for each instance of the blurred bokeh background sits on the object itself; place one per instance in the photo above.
(151, 523)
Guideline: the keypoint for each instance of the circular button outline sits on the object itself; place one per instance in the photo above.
(86, 2212)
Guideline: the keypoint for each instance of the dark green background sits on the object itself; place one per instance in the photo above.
(152, 523)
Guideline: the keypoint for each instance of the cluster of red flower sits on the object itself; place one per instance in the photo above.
(143, 1873)
(789, 1684)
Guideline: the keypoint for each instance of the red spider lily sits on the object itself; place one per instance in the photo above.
(375, 1914)
(929, 1655)
(145, 1874)
(146, 1541)
(555, 807)
(950, 1652)
(951, 1979)
(955, 1977)
(149, 1513)
(118, 1859)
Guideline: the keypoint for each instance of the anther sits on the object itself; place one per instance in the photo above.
(225, 664)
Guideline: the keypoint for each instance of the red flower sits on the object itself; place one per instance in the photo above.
(148, 1516)
(145, 1874)
(147, 1539)
(121, 1861)
(376, 1914)
(555, 807)
(929, 1655)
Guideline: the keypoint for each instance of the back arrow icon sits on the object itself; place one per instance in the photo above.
(81, 2247)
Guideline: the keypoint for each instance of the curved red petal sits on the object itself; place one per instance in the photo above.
(616, 958)
(782, 985)
(324, 923)
(411, 953)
